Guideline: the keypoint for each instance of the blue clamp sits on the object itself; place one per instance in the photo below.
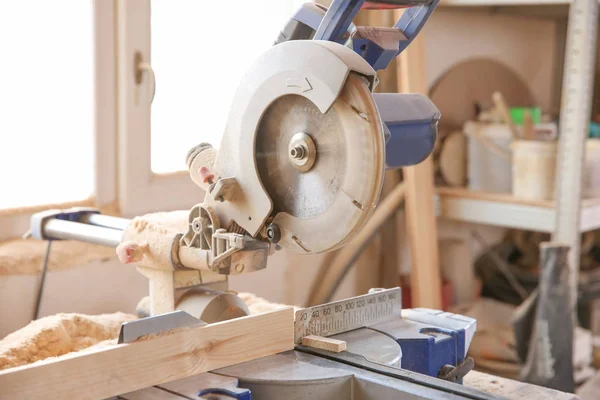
(239, 394)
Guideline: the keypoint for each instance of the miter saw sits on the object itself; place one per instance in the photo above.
(300, 168)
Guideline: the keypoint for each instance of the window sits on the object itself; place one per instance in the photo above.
(199, 52)
(47, 102)
(79, 122)
(57, 99)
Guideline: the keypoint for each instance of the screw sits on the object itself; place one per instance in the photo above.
(273, 233)
(196, 225)
(297, 152)
(239, 268)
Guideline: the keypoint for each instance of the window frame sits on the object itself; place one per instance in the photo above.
(14, 222)
(140, 189)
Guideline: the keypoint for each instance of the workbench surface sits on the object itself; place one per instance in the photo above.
(186, 388)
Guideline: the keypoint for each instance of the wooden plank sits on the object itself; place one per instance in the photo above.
(124, 368)
(323, 343)
(426, 286)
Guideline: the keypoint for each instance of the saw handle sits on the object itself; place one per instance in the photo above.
(392, 4)
(336, 23)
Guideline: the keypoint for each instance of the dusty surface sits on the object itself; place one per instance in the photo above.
(512, 389)
(57, 335)
(25, 256)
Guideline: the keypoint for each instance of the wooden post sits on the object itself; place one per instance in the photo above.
(426, 285)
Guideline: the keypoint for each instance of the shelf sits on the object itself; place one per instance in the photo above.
(504, 210)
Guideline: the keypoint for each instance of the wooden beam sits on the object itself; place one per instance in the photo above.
(324, 343)
(421, 227)
(118, 369)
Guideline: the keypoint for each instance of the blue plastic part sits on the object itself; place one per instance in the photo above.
(413, 20)
(242, 394)
(430, 339)
(337, 20)
(75, 216)
(378, 57)
(428, 353)
(411, 120)
(309, 16)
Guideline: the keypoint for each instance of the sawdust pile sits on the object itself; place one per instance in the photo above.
(57, 335)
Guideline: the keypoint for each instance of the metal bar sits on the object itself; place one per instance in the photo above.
(67, 230)
(349, 314)
(106, 221)
(575, 117)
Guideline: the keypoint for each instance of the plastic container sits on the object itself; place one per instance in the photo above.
(489, 164)
(533, 169)
(517, 114)
(591, 182)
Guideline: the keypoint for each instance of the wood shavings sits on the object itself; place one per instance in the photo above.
(258, 305)
(148, 239)
(57, 335)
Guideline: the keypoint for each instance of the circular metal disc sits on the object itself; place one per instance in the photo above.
(301, 194)
(348, 140)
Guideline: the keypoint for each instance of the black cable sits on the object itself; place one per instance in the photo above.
(38, 301)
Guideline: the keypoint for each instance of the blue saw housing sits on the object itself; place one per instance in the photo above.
(410, 120)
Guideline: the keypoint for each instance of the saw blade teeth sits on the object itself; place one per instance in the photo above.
(360, 113)
(321, 167)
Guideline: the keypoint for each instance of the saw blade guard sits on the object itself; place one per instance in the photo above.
(313, 70)
(323, 172)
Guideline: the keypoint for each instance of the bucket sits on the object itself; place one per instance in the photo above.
(533, 169)
(488, 166)
(591, 173)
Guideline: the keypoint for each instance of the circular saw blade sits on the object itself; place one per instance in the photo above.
(301, 194)
(347, 170)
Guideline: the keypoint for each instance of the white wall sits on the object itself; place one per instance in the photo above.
(525, 44)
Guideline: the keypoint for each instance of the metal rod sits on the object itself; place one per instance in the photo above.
(67, 230)
(106, 221)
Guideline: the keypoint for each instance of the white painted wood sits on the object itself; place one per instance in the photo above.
(590, 218)
(105, 90)
(510, 215)
(15, 224)
(140, 190)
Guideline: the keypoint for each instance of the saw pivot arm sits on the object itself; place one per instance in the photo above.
(379, 46)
